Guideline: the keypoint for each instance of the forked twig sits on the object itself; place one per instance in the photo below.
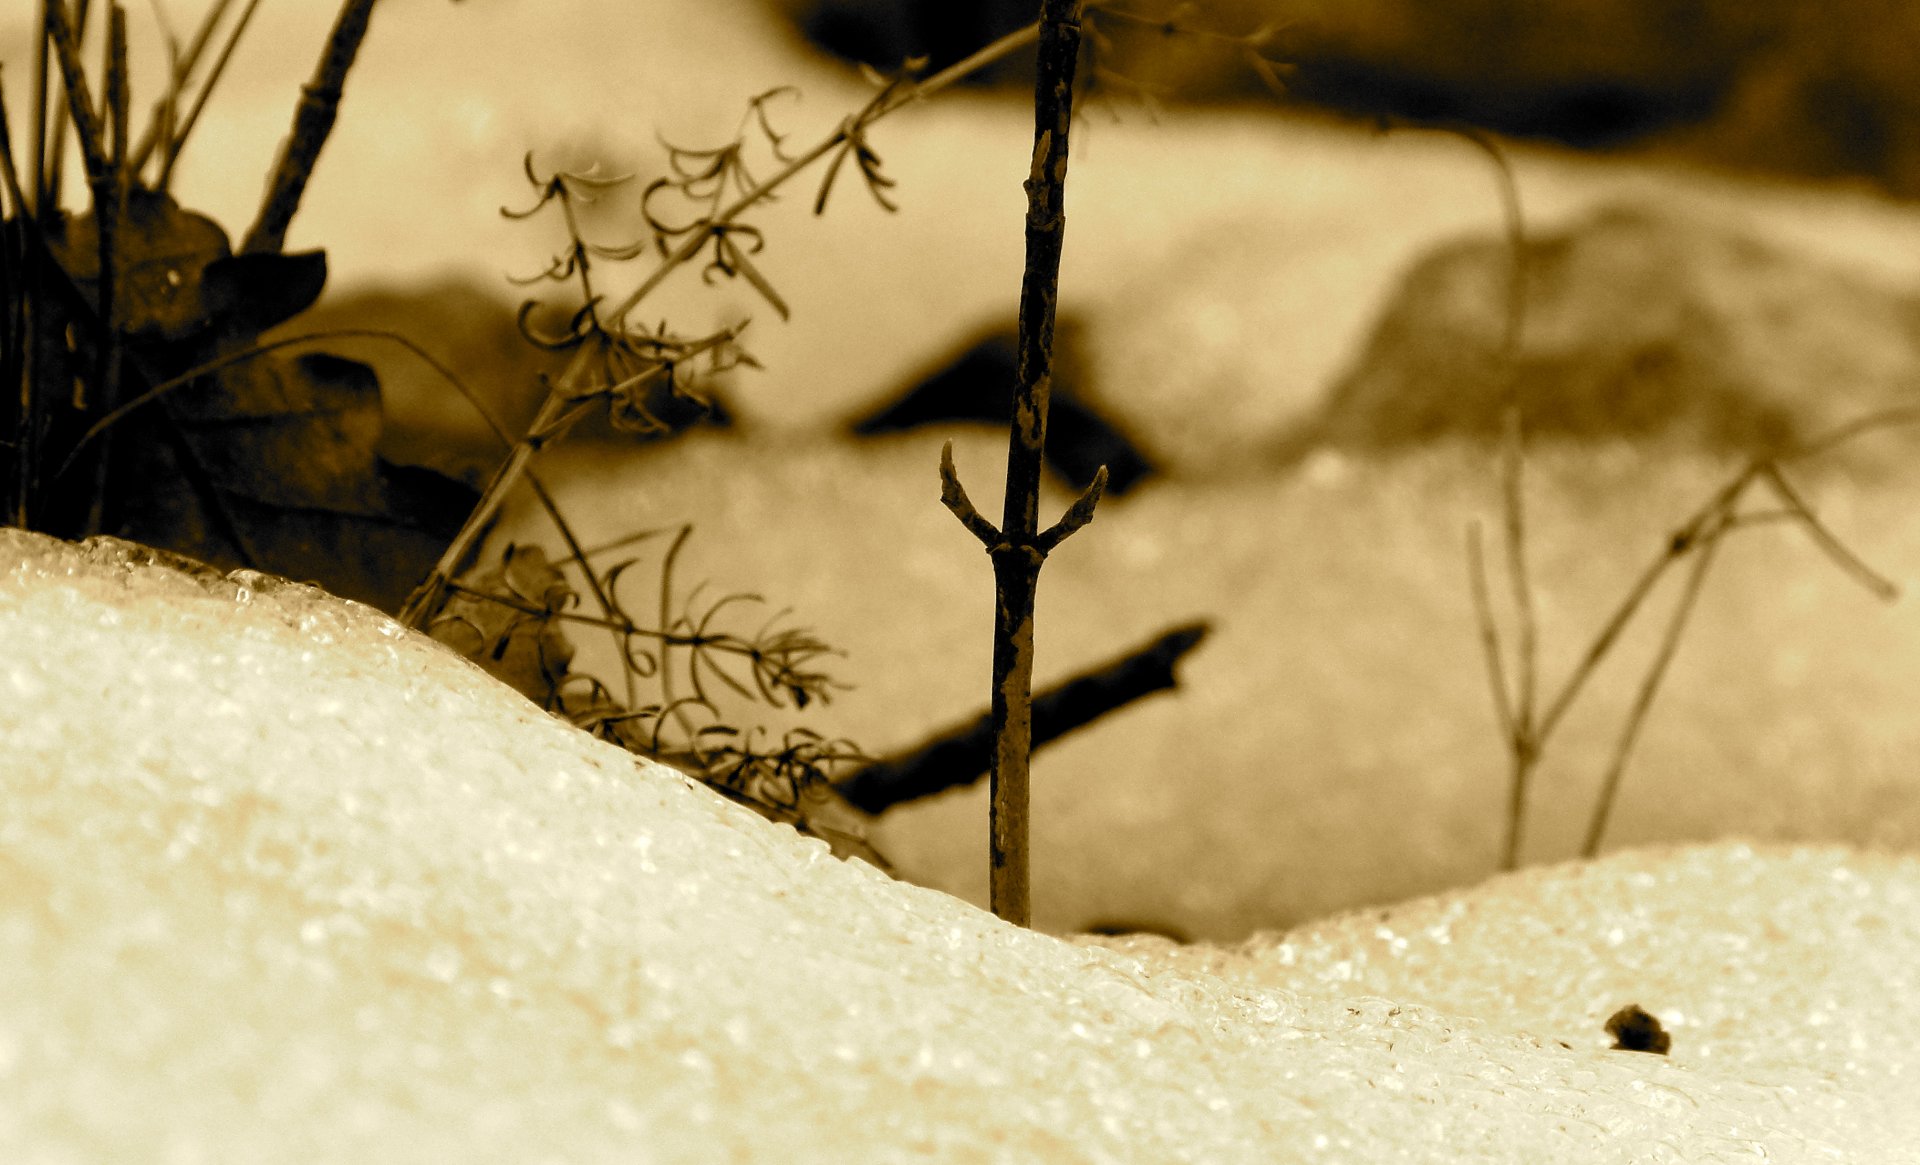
(1018, 547)
(1516, 689)
(1700, 536)
(1650, 685)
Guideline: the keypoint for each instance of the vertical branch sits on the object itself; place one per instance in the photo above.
(52, 27)
(79, 104)
(1019, 547)
(42, 84)
(43, 204)
(1016, 561)
(1518, 708)
(109, 213)
(166, 111)
(1708, 545)
(177, 135)
(16, 283)
(312, 122)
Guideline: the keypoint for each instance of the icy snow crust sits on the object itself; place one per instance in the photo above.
(280, 881)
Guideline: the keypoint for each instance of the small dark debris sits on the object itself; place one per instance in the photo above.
(1633, 1030)
(882, 33)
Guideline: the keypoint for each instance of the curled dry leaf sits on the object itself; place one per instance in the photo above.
(268, 461)
(504, 619)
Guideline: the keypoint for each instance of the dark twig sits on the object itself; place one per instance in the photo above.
(110, 212)
(42, 201)
(962, 755)
(312, 123)
(166, 110)
(1650, 683)
(1018, 547)
(21, 273)
(66, 50)
(177, 138)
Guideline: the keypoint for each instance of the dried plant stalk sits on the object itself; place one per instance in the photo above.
(312, 123)
(1018, 547)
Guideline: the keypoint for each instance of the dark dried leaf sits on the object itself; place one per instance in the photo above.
(164, 252)
(504, 619)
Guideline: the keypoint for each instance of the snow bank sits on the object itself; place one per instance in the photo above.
(282, 882)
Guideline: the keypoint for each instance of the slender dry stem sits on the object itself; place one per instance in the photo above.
(1650, 684)
(177, 138)
(1700, 536)
(1019, 548)
(110, 212)
(1517, 702)
(312, 124)
(166, 110)
(42, 102)
(79, 105)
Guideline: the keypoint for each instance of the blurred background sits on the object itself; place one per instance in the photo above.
(1288, 320)
(1777, 86)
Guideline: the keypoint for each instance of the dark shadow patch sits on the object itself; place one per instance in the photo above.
(1583, 112)
(884, 33)
(977, 386)
(1641, 325)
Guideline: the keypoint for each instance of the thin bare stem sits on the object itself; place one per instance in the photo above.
(593, 552)
(17, 280)
(57, 145)
(1517, 708)
(235, 357)
(1825, 539)
(666, 622)
(1021, 548)
(1709, 545)
(79, 106)
(178, 139)
(42, 86)
(312, 124)
(160, 125)
(1676, 545)
(1489, 631)
(110, 210)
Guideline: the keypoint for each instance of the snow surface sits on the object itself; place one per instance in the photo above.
(280, 881)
